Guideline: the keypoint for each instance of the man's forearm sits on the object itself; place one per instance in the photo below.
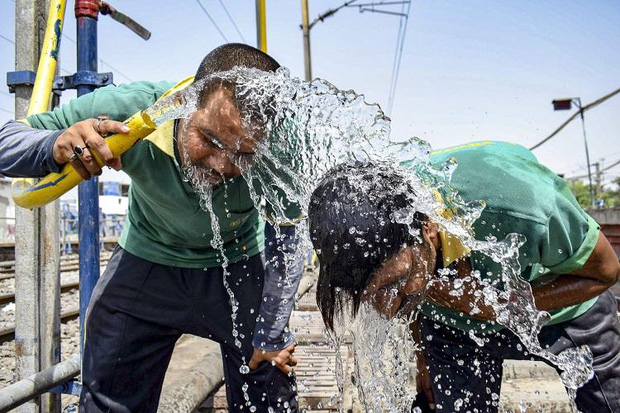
(26, 152)
(283, 271)
(567, 290)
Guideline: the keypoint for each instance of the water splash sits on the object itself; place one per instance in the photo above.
(385, 361)
(309, 127)
(428, 191)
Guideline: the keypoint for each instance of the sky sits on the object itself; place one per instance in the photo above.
(470, 70)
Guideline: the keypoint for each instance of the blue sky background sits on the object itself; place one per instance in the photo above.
(471, 70)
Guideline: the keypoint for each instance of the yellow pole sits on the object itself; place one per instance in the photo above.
(42, 90)
(305, 25)
(46, 70)
(261, 25)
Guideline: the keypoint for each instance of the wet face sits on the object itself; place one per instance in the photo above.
(214, 140)
(398, 287)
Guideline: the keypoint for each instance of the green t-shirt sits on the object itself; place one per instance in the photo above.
(165, 223)
(522, 196)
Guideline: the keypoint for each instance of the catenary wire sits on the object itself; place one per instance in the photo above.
(212, 21)
(608, 167)
(611, 166)
(400, 54)
(233, 22)
(398, 39)
(101, 60)
(570, 119)
(7, 39)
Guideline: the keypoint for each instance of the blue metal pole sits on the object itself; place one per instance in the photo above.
(88, 191)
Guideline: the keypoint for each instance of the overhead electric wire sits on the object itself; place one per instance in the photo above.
(116, 70)
(398, 40)
(570, 119)
(381, 3)
(101, 60)
(398, 56)
(331, 12)
(212, 21)
(7, 39)
(233, 21)
(611, 166)
(608, 167)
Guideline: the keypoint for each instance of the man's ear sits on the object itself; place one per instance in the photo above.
(430, 233)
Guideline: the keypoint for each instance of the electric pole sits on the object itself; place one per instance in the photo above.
(37, 261)
(597, 188)
(261, 26)
(305, 25)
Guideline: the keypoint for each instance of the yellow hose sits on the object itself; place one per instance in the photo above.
(54, 185)
(28, 194)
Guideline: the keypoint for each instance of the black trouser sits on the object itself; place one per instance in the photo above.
(460, 369)
(138, 311)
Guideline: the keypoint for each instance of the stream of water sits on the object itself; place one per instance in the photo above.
(310, 127)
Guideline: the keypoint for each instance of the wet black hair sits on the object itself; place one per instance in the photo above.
(354, 230)
(229, 55)
(225, 58)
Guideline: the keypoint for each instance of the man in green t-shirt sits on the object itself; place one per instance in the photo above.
(388, 262)
(166, 277)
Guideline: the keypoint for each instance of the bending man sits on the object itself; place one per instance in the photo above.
(165, 278)
(391, 270)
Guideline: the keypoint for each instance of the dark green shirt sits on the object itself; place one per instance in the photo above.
(522, 196)
(165, 223)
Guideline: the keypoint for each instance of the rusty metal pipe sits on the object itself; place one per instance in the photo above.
(202, 380)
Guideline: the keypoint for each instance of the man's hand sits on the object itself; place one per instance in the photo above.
(88, 134)
(282, 359)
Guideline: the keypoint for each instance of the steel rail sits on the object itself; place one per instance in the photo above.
(8, 333)
(10, 297)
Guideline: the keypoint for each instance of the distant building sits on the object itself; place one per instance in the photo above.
(113, 204)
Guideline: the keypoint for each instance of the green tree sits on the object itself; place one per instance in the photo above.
(610, 193)
(581, 191)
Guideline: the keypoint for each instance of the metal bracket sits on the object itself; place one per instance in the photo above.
(27, 78)
(83, 78)
(20, 78)
(73, 387)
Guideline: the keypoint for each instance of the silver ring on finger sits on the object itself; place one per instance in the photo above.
(100, 119)
(73, 157)
(79, 150)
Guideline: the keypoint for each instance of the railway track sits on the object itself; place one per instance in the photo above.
(8, 298)
(68, 264)
(8, 333)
